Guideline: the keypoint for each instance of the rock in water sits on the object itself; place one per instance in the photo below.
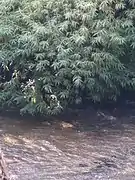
(66, 125)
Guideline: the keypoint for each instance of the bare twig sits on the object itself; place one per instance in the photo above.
(3, 166)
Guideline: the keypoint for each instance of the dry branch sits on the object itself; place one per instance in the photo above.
(3, 167)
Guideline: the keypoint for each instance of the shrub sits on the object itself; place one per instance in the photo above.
(59, 52)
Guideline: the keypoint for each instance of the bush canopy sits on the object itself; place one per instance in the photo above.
(55, 53)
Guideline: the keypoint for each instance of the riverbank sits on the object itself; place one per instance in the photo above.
(97, 116)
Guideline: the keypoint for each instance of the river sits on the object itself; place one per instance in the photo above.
(36, 150)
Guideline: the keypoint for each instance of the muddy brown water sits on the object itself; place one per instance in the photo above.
(37, 151)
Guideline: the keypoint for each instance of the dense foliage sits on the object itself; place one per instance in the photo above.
(54, 53)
